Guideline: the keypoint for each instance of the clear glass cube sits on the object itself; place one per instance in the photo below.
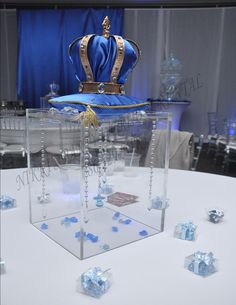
(75, 197)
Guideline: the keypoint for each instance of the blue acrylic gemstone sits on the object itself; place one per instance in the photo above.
(6, 202)
(126, 221)
(44, 226)
(73, 219)
(143, 233)
(93, 238)
(66, 221)
(95, 282)
(77, 235)
(105, 247)
(116, 215)
(114, 229)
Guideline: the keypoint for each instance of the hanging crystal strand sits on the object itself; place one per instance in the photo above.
(99, 199)
(86, 173)
(152, 154)
(44, 197)
(99, 160)
(105, 159)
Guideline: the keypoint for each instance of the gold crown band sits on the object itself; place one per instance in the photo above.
(120, 53)
(101, 87)
(83, 52)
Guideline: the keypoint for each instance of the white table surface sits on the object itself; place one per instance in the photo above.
(147, 272)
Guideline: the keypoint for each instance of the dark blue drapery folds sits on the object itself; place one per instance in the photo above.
(44, 37)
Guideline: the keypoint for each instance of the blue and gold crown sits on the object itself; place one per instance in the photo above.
(102, 64)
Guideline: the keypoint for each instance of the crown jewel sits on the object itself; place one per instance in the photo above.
(102, 63)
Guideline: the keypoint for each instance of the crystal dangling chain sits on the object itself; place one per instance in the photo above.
(99, 199)
(152, 154)
(86, 173)
(44, 197)
(105, 159)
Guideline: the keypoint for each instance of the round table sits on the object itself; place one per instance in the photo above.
(150, 271)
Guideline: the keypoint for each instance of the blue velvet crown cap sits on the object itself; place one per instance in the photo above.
(102, 65)
(101, 55)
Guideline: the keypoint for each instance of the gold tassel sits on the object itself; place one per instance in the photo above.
(88, 118)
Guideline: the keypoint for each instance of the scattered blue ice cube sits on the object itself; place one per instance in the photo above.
(116, 216)
(143, 233)
(114, 229)
(44, 226)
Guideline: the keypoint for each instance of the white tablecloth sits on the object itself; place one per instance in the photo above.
(150, 271)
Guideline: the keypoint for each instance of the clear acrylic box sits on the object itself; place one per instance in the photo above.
(84, 194)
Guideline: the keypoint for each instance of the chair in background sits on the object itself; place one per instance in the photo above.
(181, 150)
(230, 159)
(213, 132)
(197, 152)
(220, 153)
(13, 138)
(13, 134)
(66, 143)
(212, 124)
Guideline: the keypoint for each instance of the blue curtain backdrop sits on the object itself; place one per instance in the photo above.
(43, 40)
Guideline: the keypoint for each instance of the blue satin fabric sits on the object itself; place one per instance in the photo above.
(102, 55)
(44, 37)
(74, 101)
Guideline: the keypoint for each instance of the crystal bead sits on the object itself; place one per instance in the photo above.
(122, 89)
(81, 87)
(101, 88)
(44, 198)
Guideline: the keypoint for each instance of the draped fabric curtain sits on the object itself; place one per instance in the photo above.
(43, 40)
(204, 40)
(8, 58)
